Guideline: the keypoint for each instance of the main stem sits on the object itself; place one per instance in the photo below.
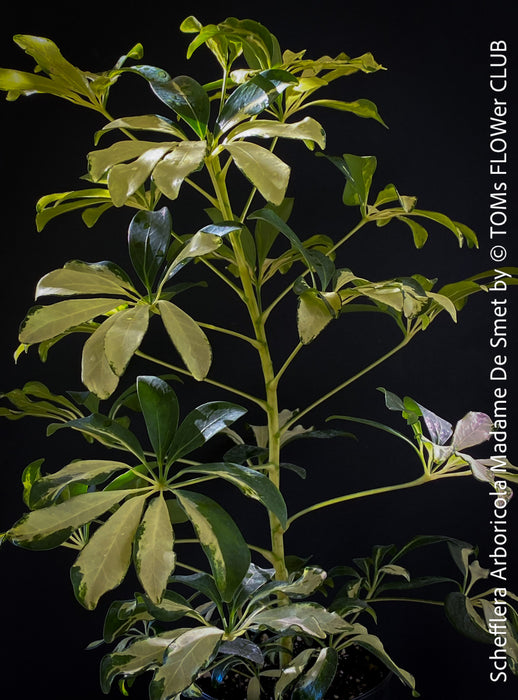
(257, 318)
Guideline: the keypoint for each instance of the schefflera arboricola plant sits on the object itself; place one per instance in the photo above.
(114, 511)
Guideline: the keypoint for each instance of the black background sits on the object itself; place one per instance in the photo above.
(435, 98)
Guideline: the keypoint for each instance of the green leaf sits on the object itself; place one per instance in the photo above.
(103, 562)
(220, 538)
(124, 179)
(359, 171)
(89, 471)
(96, 372)
(183, 95)
(147, 122)
(101, 161)
(121, 615)
(205, 241)
(108, 432)
(160, 409)
(266, 232)
(265, 170)
(419, 233)
(124, 336)
(463, 616)
(186, 657)
(462, 232)
(30, 475)
(315, 311)
(172, 607)
(188, 338)
(307, 129)
(136, 658)
(201, 424)
(251, 482)
(17, 82)
(149, 237)
(271, 217)
(362, 108)
(291, 672)
(77, 277)
(154, 556)
(316, 681)
(374, 645)
(305, 618)
(46, 528)
(51, 206)
(253, 97)
(182, 160)
(45, 322)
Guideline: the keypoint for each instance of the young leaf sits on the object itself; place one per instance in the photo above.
(188, 338)
(222, 542)
(103, 562)
(471, 430)
(149, 236)
(154, 556)
(160, 409)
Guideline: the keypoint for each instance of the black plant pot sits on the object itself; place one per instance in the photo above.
(360, 677)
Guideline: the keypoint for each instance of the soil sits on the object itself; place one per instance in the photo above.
(358, 672)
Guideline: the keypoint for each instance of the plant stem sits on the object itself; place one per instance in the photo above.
(359, 494)
(346, 383)
(258, 322)
(181, 370)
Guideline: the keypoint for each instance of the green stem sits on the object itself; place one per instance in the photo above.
(346, 383)
(258, 322)
(359, 494)
(220, 385)
(228, 331)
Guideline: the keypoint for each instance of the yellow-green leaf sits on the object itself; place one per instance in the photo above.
(154, 556)
(102, 564)
(48, 527)
(124, 336)
(96, 373)
(188, 338)
(265, 170)
(45, 322)
(183, 159)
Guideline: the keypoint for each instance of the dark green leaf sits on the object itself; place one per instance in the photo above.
(160, 410)
(314, 684)
(183, 95)
(148, 239)
(253, 97)
(222, 542)
(107, 432)
(201, 424)
(251, 482)
(89, 471)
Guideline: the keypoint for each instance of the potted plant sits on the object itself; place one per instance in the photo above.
(252, 617)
